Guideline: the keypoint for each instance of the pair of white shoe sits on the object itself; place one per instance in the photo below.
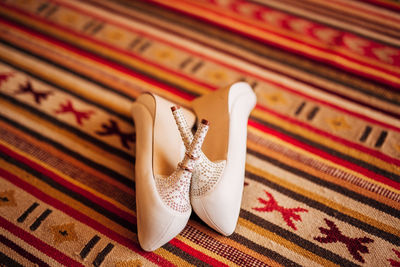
(176, 171)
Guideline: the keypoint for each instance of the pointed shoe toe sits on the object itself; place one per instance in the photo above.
(222, 220)
(160, 233)
(220, 207)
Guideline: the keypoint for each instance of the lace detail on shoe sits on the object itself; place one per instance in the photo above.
(206, 173)
(174, 189)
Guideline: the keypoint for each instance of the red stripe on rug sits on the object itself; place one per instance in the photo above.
(201, 256)
(97, 42)
(109, 46)
(243, 58)
(129, 243)
(108, 63)
(187, 96)
(366, 150)
(27, 255)
(370, 12)
(190, 14)
(358, 115)
(338, 47)
(342, 162)
(330, 60)
(37, 243)
(383, 4)
(107, 205)
(321, 48)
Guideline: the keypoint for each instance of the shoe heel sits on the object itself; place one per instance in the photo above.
(189, 116)
(193, 152)
(195, 147)
(184, 129)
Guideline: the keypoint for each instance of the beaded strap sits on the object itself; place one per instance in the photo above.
(206, 173)
(194, 150)
(185, 132)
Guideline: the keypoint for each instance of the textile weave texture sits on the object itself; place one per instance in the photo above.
(322, 181)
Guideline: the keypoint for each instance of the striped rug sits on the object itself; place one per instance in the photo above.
(322, 184)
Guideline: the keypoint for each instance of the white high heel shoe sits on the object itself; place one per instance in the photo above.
(217, 182)
(162, 189)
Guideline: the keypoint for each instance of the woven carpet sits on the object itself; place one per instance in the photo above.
(322, 181)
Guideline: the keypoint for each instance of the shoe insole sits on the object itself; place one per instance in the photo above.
(215, 109)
